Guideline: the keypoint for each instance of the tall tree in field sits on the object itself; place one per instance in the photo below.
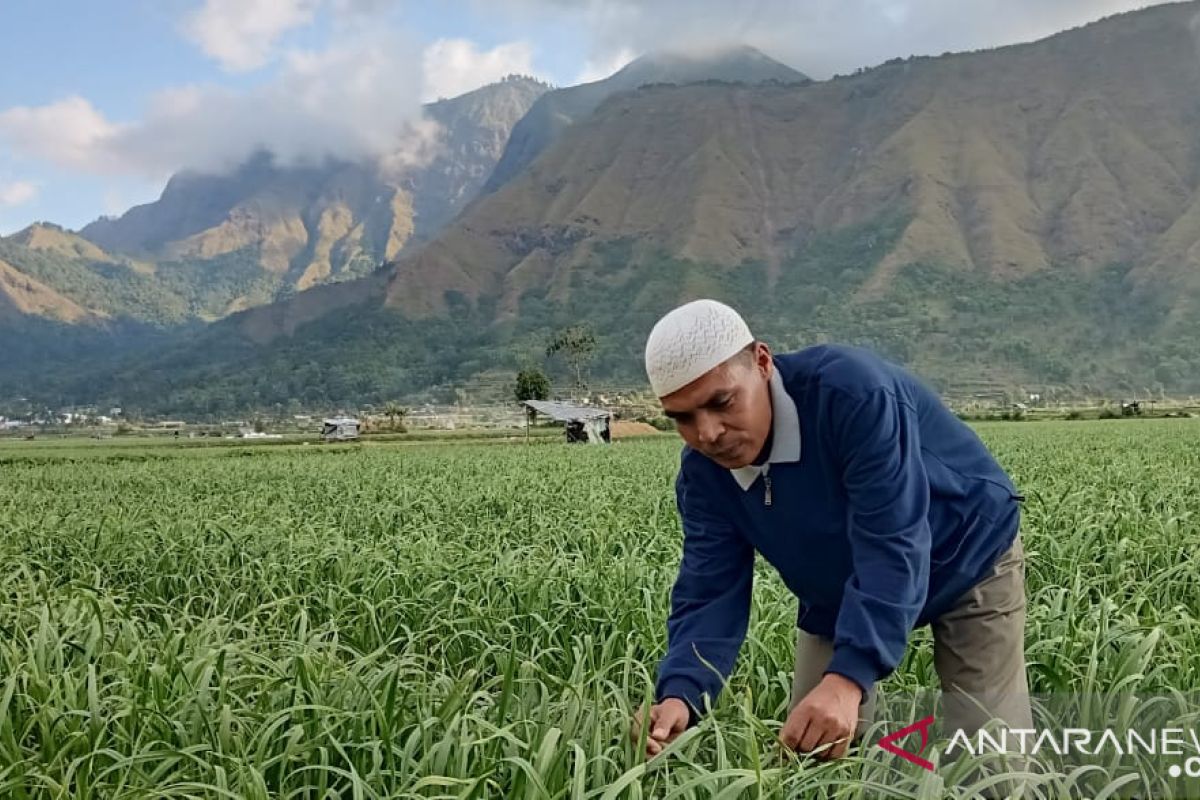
(577, 345)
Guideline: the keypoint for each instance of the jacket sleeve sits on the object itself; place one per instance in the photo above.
(888, 492)
(710, 603)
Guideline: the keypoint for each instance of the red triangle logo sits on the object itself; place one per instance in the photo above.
(888, 743)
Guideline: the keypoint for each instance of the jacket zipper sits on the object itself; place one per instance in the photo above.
(766, 487)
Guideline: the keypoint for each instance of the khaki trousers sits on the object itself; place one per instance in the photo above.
(978, 652)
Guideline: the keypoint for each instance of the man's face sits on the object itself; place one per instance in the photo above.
(726, 412)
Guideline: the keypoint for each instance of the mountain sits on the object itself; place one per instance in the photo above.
(50, 238)
(556, 111)
(1069, 154)
(65, 304)
(120, 288)
(22, 295)
(1024, 214)
(215, 244)
(1027, 216)
(293, 227)
(31, 264)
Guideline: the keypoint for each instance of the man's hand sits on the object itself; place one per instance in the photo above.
(827, 715)
(668, 719)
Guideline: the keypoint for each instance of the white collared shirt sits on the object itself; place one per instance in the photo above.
(785, 432)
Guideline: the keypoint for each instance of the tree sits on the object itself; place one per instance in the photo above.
(577, 345)
(394, 411)
(532, 384)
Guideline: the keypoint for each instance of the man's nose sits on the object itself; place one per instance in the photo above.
(709, 429)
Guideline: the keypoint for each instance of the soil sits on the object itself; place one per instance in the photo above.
(623, 429)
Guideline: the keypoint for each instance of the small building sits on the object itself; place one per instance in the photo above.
(339, 429)
(583, 424)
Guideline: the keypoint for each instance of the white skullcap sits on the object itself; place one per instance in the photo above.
(690, 340)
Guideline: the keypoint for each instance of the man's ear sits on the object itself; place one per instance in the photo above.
(762, 359)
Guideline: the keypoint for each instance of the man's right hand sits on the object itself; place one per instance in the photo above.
(668, 719)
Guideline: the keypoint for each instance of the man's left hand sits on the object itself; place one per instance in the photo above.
(827, 715)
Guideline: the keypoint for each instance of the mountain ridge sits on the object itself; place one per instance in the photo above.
(1059, 174)
(556, 111)
(1026, 214)
(322, 222)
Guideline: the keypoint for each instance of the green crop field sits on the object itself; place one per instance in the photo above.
(479, 620)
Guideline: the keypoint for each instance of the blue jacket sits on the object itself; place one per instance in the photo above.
(892, 511)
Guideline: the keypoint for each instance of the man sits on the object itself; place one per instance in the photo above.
(880, 509)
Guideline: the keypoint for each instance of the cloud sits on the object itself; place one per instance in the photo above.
(596, 70)
(114, 203)
(359, 96)
(241, 34)
(455, 66)
(356, 99)
(362, 8)
(17, 193)
(818, 37)
(71, 132)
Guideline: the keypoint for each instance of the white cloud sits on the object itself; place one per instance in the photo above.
(356, 99)
(818, 37)
(601, 68)
(114, 203)
(17, 193)
(360, 96)
(241, 34)
(71, 132)
(455, 66)
(362, 8)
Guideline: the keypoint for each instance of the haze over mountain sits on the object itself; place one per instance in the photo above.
(1019, 216)
(332, 221)
(216, 244)
(558, 110)
(228, 242)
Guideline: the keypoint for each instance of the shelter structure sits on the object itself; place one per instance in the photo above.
(339, 429)
(583, 424)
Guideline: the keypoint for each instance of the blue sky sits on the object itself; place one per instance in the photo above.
(101, 101)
